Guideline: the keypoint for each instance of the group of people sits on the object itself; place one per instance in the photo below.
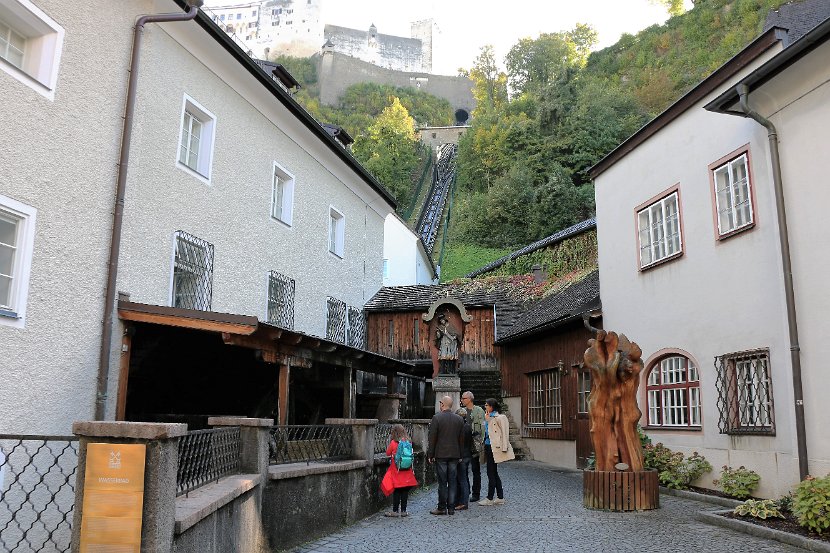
(459, 441)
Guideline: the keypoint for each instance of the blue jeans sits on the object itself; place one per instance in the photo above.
(445, 472)
(462, 496)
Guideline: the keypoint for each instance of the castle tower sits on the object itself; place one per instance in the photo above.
(423, 30)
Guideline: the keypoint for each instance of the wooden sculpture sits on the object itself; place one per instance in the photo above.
(619, 482)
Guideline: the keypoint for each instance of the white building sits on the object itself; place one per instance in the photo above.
(238, 209)
(405, 259)
(691, 263)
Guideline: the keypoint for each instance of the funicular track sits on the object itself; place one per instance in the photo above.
(443, 175)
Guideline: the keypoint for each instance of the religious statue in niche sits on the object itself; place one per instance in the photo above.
(446, 340)
(447, 319)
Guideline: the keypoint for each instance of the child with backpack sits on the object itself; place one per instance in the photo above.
(399, 477)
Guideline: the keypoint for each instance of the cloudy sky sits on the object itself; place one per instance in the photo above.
(466, 25)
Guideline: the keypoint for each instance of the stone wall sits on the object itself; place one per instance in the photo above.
(337, 72)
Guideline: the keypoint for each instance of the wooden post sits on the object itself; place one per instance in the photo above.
(349, 393)
(392, 383)
(124, 373)
(282, 402)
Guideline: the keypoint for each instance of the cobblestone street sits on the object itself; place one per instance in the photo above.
(543, 512)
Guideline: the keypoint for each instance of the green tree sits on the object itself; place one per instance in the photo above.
(489, 83)
(389, 150)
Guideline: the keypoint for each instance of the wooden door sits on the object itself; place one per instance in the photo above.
(584, 447)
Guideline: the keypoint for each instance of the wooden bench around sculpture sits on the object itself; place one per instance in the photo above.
(619, 482)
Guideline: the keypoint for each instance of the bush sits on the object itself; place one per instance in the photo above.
(675, 471)
(811, 504)
(760, 508)
(739, 482)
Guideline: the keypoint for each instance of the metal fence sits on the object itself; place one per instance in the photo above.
(316, 442)
(744, 387)
(37, 492)
(383, 433)
(206, 456)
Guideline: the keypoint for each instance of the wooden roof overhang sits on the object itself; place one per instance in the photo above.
(276, 345)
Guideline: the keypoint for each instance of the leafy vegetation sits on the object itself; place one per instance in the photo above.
(739, 482)
(461, 259)
(759, 508)
(811, 504)
(675, 470)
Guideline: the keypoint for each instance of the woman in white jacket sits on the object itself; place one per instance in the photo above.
(497, 449)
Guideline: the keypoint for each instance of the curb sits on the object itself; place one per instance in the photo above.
(713, 499)
(714, 518)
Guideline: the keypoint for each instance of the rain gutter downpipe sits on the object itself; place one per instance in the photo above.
(786, 264)
(120, 192)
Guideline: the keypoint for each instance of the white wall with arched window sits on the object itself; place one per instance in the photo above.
(673, 393)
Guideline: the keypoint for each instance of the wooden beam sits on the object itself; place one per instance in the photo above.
(186, 322)
(392, 383)
(282, 401)
(124, 374)
(349, 394)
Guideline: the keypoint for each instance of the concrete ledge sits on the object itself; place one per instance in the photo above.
(713, 499)
(298, 470)
(134, 430)
(353, 422)
(210, 498)
(715, 519)
(239, 421)
(381, 459)
(413, 421)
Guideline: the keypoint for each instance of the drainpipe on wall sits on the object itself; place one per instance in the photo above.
(786, 264)
(121, 188)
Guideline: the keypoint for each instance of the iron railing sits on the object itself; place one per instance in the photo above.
(37, 492)
(206, 456)
(744, 387)
(280, 300)
(383, 433)
(307, 443)
(192, 272)
(336, 320)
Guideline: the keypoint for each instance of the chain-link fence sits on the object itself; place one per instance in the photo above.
(307, 443)
(206, 456)
(745, 393)
(37, 492)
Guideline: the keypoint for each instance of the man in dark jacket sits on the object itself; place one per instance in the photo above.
(445, 443)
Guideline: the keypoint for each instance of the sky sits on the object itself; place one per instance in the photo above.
(464, 26)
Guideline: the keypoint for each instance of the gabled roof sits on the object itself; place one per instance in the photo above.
(798, 17)
(563, 234)
(566, 305)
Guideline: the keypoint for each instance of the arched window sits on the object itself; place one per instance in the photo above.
(673, 392)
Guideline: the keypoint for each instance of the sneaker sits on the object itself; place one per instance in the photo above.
(391, 514)
(450, 511)
(498, 501)
(404, 514)
(486, 501)
(438, 512)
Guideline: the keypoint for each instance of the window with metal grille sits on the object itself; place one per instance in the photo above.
(583, 382)
(745, 393)
(280, 300)
(733, 199)
(357, 328)
(336, 320)
(659, 230)
(192, 272)
(544, 403)
(673, 392)
(196, 138)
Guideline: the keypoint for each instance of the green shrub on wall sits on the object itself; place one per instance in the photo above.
(675, 470)
(575, 254)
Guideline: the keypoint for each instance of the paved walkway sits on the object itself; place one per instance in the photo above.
(543, 512)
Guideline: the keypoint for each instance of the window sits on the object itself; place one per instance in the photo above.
(544, 404)
(280, 300)
(337, 227)
(239, 16)
(196, 139)
(673, 391)
(658, 226)
(345, 324)
(282, 195)
(745, 393)
(733, 195)
(385, 269)
(583, 381)
(356, 332)
(192, 273)
(17, 227)
(30, 45)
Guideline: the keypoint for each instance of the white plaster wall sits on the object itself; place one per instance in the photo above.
(798, 102)
(60, 157)
(559, 453)
(400, 249)
(232, 212)
(719, 297)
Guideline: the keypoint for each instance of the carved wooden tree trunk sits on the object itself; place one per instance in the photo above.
(612, 406)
